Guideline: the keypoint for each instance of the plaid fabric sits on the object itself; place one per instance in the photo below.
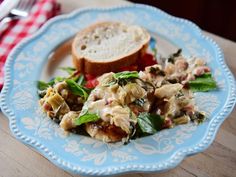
(19, 29)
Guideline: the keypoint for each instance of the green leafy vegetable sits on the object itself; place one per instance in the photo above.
(44, 85)
(80, 80)
(85, 118)
(76, 89)
(126, 75)
(149, 123)
(172, 57)
(41, 85)
(58, 79)
(203, 83)
(122, 78)
(69, 70)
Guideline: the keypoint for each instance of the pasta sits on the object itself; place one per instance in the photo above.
(129, 104)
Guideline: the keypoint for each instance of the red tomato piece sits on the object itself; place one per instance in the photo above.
(167, 123)
(90, 77)
(91, 83)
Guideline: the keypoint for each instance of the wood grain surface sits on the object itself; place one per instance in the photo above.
(18, 160)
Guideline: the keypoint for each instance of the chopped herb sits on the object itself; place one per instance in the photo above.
(153, 70)
(179, 94)
(140, 102)
(179, 51)
(172, 80)
(198, 117)
(123, 82)
(157, 71)
(85, 118)
(172, 57)
(203, 83)
(150, 123)
(76, 89)
(69, 70)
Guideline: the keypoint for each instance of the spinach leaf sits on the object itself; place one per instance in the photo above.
(126, 75)
(58, 79)
(80, 79)
(76, 89)
(149, 123)
(122, 78)
(203, 83)
(44, 85)
(41, 85)
(85, 118)
(69, 70)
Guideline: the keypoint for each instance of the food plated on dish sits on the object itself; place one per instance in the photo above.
(119, 106)
(77, 152)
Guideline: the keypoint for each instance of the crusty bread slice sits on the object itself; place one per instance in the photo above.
(107, 46)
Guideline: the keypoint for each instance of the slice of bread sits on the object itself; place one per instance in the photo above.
(108, 46)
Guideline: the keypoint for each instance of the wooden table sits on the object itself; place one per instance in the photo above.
(18, 160)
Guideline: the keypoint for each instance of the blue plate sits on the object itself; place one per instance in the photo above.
(83, 155)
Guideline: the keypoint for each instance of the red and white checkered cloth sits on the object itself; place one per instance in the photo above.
(19, 29)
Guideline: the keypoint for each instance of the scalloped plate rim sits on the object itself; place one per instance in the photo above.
(180, 154)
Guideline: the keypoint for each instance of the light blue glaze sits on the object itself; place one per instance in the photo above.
(85, 156)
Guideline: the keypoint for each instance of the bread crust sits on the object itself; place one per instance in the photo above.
(86, 65)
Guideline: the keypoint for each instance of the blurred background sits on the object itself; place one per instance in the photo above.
(216, 16)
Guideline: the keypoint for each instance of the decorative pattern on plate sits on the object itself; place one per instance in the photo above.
(83, 155)
(42, 126)
(79, 149)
